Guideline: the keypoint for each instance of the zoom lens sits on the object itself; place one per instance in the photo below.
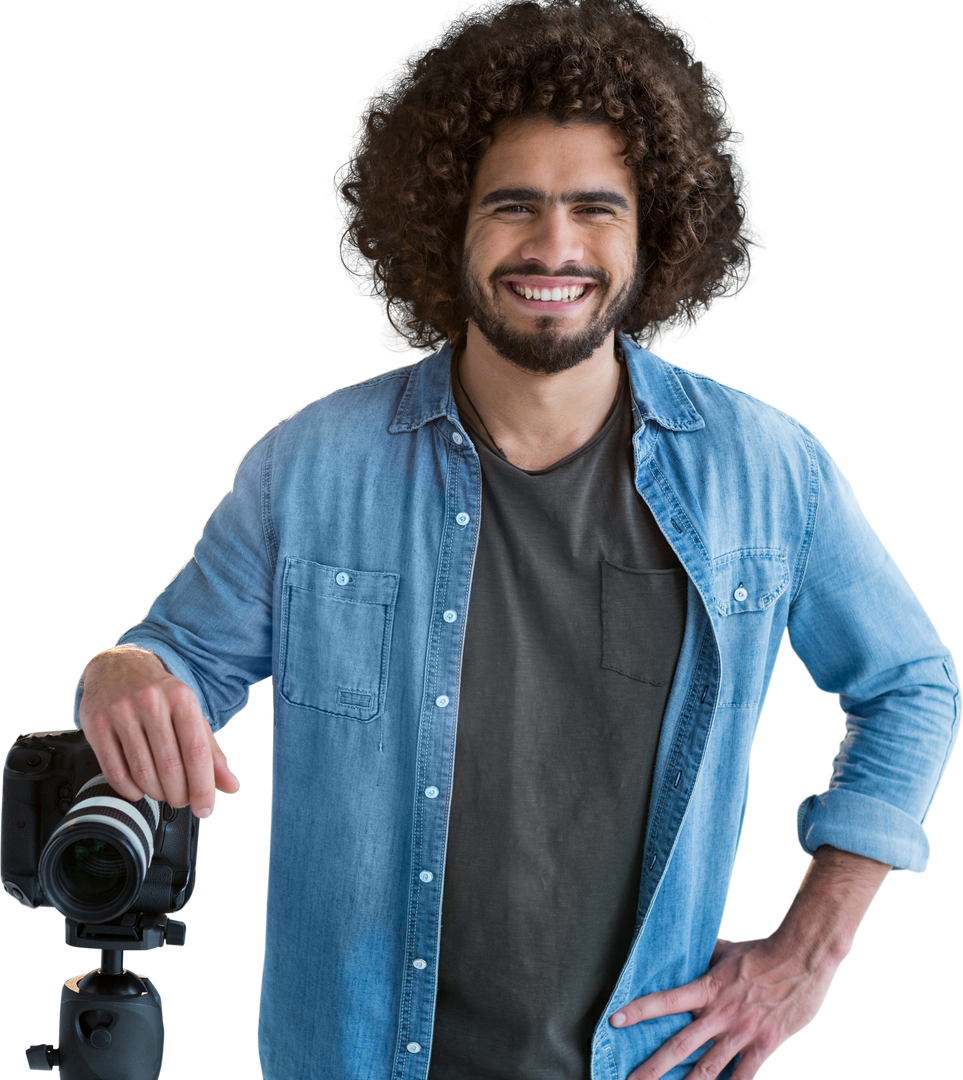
(96, 860)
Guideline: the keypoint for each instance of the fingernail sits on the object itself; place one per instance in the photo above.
(205, 811)
(618, 1020)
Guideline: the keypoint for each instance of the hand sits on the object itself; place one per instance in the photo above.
(148, 733)
(753, 997)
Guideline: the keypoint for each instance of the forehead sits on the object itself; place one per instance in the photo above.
(537, 152)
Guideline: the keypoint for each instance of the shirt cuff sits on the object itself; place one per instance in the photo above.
(858, 823)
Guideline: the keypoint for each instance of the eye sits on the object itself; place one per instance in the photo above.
(595, 211)
(514, 208)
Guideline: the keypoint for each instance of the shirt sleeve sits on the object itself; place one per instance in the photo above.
(212, 626)
(861, 632)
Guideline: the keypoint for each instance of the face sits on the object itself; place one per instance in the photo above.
(550, 264)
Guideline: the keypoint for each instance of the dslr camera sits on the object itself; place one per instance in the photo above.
(69, 841)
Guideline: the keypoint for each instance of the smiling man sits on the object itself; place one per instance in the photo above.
(521, 602)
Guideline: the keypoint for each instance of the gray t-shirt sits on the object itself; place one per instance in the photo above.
(574, 628)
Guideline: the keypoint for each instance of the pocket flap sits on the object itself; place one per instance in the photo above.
(749, 579)
(341, 582)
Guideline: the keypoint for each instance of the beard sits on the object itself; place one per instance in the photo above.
(547, 349)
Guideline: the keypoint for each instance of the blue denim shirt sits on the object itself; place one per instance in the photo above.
(341, 564)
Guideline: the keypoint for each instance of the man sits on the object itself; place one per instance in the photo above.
(521, 603)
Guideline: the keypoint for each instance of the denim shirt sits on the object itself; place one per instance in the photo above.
(341, 564)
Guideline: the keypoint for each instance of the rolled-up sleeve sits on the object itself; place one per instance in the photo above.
(861, 632)
(212, 626)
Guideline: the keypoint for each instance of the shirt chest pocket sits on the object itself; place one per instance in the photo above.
(336, 638)
(643, 621)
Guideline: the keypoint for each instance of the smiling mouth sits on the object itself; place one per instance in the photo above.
(565, 294)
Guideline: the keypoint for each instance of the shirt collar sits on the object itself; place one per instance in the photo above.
(656, 391)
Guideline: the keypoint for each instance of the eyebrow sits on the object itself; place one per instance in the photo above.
(527, 194)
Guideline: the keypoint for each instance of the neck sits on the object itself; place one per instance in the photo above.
(535, 419)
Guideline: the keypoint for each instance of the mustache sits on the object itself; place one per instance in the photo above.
(541, 272)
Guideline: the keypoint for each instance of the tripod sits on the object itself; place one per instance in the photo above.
(111, 1024)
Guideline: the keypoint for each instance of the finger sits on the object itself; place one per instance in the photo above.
(110, 757)
(224, 779)
(715, 1060)
(140, 742)
(167, 759)
(192, 731)
(750, 1066)
(675, 1051)
(694, 995)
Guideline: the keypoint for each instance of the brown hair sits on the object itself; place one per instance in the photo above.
(406, 190)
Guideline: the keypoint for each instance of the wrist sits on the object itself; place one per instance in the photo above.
(821, 924)
(124, 650)
(107, 659)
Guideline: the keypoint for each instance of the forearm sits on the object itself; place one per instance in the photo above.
(837, 890)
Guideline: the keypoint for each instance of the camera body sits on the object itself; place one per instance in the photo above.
(42, 779)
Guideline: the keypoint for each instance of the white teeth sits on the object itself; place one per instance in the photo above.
(566, 293)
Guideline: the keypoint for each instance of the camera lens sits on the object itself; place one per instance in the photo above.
(92, 869)
(95, 861)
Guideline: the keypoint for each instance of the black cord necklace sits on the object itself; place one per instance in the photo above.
(484, 424)
(474, 407)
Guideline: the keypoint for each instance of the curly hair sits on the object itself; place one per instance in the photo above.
(406, 190)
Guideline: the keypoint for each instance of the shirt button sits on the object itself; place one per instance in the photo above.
(740, 594)
(431, 792)
(450, 616)
(462, 518)
(419, 964)
(441, 701)
(456, 438)
(413, 1048)
(426, 876)
(342, 578)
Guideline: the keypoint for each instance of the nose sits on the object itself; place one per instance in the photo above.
(552, 240)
